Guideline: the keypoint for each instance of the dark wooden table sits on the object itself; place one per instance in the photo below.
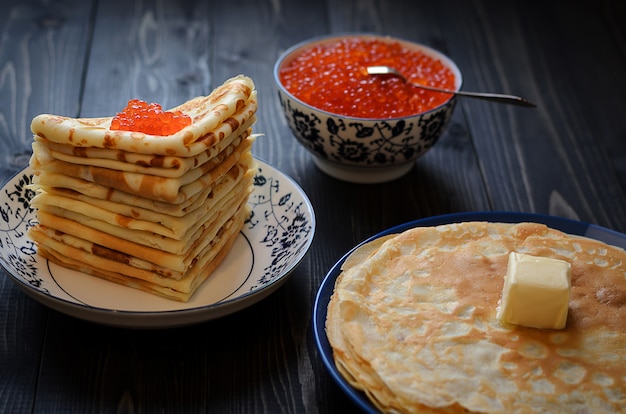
(565, 158)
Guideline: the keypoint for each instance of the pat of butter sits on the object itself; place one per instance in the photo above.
(536, 292)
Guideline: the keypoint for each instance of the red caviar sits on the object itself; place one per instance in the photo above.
(139, 116)
(332, 77)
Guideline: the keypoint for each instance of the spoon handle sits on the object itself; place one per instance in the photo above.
(497, 97)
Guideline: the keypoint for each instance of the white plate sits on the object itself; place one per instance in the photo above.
(272, 243)
(326, 289)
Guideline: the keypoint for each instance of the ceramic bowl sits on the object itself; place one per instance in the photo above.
(364, 150)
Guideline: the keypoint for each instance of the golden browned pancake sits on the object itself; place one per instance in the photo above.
(79, 230)
(412, 322)
(152, 283)
(214, 117)
(127, 218)
(169, 189)
(159, 165)
(157, 213)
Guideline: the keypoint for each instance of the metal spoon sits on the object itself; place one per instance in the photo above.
(509, 99)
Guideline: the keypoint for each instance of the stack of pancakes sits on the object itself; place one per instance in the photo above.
(157, 213)
(412, 322)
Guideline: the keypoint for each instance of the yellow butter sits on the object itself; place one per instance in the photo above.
(536, 292)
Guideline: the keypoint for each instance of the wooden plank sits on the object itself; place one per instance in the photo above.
(248, 40)
(526, 154)
(22, 330)
(166, 58)
(41, 60)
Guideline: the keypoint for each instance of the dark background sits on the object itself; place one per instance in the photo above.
(87, 58)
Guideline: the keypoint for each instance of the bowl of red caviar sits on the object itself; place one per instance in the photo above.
(359, 127)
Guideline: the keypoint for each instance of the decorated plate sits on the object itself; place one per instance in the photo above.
(273, 241)
(326, 288)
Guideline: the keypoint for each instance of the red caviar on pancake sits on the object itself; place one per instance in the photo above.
(139, 116)
(332, 77)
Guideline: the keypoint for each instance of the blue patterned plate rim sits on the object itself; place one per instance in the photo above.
(326, 288)
(273, 242)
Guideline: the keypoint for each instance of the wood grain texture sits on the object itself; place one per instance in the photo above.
(152, 50)
(567, 157)
(42, 57)
(552, 160)
(42, 49)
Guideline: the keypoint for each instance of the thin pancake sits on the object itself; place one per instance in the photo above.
(157, 249)
(157, 213)
(124, 262)
(159, 165)
(171, 190)
(214, 117)
(136, 218)
(62, 184)
(412, 323)
(181, 290)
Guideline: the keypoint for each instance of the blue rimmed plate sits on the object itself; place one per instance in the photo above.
(326, 288)
(272, 243)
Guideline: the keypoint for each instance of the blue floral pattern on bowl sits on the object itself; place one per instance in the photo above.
(363, 150)
(365, 142)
